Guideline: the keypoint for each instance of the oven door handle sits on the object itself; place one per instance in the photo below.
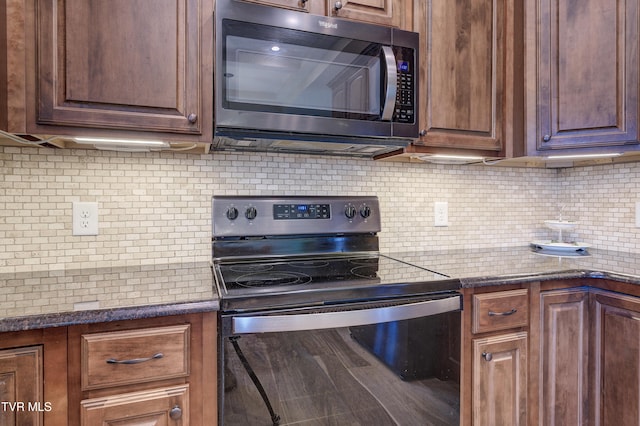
(346, 318)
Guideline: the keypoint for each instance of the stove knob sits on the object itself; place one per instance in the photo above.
(350, 212)
(251, 213)
(365, 211)
(232, 213)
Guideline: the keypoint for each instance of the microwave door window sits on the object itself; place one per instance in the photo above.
(300, 73)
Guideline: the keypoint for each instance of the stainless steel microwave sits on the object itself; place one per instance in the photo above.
(292, 81)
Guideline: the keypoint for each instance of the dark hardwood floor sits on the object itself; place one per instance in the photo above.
(326, 378)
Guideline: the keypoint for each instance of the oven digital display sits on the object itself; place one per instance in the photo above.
(301, 211)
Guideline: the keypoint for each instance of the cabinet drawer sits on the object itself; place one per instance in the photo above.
(134, 356)
(500, 310)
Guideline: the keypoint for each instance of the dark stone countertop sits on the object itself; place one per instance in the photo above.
(67, 297)
(476, 267)
(57, 298)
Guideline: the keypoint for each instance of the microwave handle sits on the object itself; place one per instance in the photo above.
(390, 83)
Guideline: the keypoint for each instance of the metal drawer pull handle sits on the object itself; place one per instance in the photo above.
(503, 314)
(135, 360)
(487, 356)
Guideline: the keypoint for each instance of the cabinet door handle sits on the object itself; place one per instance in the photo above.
(488, 356)
(503, 314)
(546, 138)
(337, 6)
(135, 360)
(192, 118)
(175, 413)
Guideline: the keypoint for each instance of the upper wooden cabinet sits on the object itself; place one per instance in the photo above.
(582, 76)
(467, 74)
(138, 65)
(141, 68)
(393, 13)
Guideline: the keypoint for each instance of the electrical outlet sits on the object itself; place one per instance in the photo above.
(441, 213)
(85, 218)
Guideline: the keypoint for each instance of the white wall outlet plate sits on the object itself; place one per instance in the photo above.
(441, 213)
(85, 218)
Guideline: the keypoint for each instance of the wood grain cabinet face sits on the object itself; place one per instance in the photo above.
(616, 359)
(134, 356)
(467, 52)
(500, 310)
(564, 346)
(374, 11)
(136, 65)
(21, 381)
(583, 74)
(500, 380)
(396, 13)
(157, 407)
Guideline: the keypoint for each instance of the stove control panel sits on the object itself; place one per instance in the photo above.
(301, 211)
(239, 216)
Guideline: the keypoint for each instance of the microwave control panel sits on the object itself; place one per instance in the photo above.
(405, 97)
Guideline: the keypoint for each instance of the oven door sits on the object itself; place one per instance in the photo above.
(371, 363)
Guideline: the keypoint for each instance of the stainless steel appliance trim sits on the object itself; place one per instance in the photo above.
(325, 320)
(391, 83)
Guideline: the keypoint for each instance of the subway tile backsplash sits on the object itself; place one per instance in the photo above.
(154, 208)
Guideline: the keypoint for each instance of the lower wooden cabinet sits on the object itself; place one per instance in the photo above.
(500, 380)
(495, 361)
(589, 369)
(21, 386)
(157, 371)
(156, 407)
(33, 378)
(615, 359)
(564, 347)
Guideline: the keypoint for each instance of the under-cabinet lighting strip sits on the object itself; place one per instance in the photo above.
(130, 142)
(582, 156)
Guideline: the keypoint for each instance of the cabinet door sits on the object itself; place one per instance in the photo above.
(616, 359)
(126, 64)
(500, 380)
(585, 74)
(157, 407)
(564, 369)
(21, 384)
(467, 49)
(312, 6)
(396, 13)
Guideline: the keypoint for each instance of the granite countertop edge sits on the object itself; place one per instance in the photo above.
(485, 281)
(32, 322)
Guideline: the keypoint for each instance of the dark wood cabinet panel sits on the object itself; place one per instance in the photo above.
(582, 75)
(385, 12)
(21, 382)
(33, 370)
(138, 65)
(616, 359)
(467, 73)
(564, 347)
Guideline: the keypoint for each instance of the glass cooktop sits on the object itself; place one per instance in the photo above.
(271, 283)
